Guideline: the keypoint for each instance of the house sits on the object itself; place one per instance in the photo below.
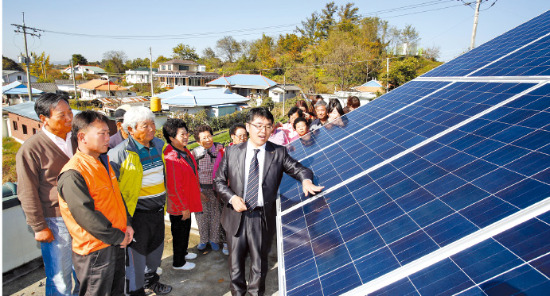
(99, 88)
(16, 93)
(9, 76)
(139, 75)
(277, 92)
(255, 86)
(192, 99)
(67, 85)
(183, 72)
(85, 70)
(372, 86)
(111, 104)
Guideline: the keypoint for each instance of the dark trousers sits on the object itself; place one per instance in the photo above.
(145, 253)
(180, 238)
(251, 239)
(101, 272)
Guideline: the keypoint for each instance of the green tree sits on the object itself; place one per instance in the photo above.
(79, 59)
(348, 17)
(9, 64)
(160, 59)
(327, 20)
(309, 28)
(137, 63)
(209, 59)
(113, 61)
(229, 48)
(185, 52)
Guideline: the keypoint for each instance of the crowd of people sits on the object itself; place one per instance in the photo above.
(97, 203)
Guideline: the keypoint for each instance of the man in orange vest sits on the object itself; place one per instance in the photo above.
(93, 209)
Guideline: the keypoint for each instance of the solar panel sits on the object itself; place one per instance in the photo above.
(441, 186)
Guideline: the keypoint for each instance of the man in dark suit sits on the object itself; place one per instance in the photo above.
(247, 181)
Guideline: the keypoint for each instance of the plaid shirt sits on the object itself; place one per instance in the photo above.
(205, 162)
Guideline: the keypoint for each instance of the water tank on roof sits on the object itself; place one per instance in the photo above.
(155, 104)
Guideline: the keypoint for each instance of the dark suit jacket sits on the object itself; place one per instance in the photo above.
(230, 181)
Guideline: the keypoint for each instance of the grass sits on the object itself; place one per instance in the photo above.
(9, 149)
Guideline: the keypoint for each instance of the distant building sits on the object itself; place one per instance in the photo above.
(17, 92)
(9, 76)
(192, 99)
(85, 70)
(139, 75)
(99, 88)
(183, 72)
(256, 86)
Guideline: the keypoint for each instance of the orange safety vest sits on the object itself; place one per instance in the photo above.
(105, 192)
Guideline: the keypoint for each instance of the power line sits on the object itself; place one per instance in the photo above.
(250, 31)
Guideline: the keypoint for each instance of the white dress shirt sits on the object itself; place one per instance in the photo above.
(261, 162)
(65, 145)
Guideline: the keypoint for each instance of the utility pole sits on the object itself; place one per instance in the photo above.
(151, 71)
(476, 15)
(284, 91)
(27, 58)
(74, 79)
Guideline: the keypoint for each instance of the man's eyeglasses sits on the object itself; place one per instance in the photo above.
(243, 136)
(261, 127)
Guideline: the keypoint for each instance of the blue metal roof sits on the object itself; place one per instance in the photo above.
(372, 83)
(18, 88)
(27, 110)
(244, 79)
(200, 96)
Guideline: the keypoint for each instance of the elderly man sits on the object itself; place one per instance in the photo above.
(139, 167)
(38, 163)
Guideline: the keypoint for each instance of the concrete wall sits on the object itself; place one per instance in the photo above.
(18, 243)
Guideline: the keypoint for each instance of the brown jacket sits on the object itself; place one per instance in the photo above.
(38, 164)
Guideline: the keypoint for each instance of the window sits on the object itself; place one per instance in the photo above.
(19, 78)
(33, 131)
(183, 67)
(24, 129)
(14, 125)
(163, 67)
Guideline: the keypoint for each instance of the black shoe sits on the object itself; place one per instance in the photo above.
(159, 288)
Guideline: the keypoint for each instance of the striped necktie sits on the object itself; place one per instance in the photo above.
(253, 182)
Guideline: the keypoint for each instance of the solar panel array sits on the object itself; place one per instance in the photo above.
(441, 186)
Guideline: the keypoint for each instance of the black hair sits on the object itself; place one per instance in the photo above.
(48, 101)
(259, 112)
(354, 102)
(83, 119)
(202, 128)
(295, 109)
(233, 129)
(170, 128)
(335, 104)
(300, 119)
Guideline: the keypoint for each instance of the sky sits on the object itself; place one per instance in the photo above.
(91, 28)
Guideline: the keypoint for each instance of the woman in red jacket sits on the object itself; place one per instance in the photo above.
(182, 186)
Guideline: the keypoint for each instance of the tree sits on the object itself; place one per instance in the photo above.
(160, 59)
(209, 58)
(309, 28)
(41, 66)
(410, 36)
(78, 59)
(137, 63)
(113, 61)
(185, 52)
(9, 64)
(348, 17)
(327, 20)
(229, 48)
